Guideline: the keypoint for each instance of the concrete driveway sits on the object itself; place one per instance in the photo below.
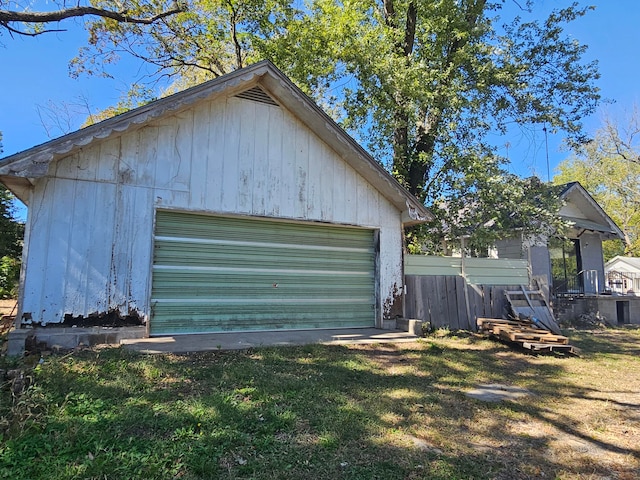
(244, 340)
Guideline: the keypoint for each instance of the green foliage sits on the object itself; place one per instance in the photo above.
(422, 84)
(11, 230)
(505, 206)
(323, 412)
(608, 168)
(9, 277)
(11, 235)
(209, 39)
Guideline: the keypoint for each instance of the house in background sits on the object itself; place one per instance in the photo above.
(572, 265)
(623, 275)
(235, 205)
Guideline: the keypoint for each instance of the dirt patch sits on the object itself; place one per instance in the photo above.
(8, 307)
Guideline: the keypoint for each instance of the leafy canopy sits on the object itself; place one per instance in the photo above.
(423, 84)
(609, 168)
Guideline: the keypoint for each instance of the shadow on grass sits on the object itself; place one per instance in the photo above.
(386, 412)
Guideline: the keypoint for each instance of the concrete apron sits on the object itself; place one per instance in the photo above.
(244, 340)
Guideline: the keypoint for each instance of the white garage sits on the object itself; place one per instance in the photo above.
(235, 205)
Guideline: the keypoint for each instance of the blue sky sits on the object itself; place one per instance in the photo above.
(35, 76)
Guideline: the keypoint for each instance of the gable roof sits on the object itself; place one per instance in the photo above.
(18, 171)
(594, 218)
(633, 262)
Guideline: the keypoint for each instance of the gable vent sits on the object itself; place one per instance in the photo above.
(256, 94)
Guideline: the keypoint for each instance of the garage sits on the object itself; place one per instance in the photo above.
(236, 205)
(221, 274)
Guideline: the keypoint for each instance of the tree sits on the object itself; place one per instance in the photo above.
(11, 235)
(609, 169)
(130, 11)
(422, 84)
(207, 40)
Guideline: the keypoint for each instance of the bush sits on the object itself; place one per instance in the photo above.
(9, 277)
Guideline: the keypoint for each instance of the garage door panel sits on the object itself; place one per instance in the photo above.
(176, 253)
(245, 230)
(221, 318)
(236, 274)
(264, 285)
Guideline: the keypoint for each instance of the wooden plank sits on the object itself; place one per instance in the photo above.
(425, 283)
(438, 318)
(489, 323)
(537, 337)
(542, 313)
(465, 322)
(497, 300)
(548, 348)
(475, 301)
(452, 303)
(414, 296)
(486, 300)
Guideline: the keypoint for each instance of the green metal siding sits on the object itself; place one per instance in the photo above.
(479, 271)
(215, 274)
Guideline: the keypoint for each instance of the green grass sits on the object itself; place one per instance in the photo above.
(360, 412)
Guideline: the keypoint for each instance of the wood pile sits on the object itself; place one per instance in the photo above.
(531, 304)
(527, 334)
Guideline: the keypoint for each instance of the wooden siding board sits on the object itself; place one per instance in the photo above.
(314, 180)
(67, 167)
(127, 164)
(275, 163)
(231, 184)
(157, 166)
(147, 156)
(58, 245)
(288, 173)
(106, 163)
(262, 132)
(302, 168)
(339, 192)
(247, 153)
(183, 145)
(79, 272)
(206, 143)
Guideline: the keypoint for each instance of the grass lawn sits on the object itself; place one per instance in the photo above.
(328, 412)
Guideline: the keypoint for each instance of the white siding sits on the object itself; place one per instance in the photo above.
(91, 220)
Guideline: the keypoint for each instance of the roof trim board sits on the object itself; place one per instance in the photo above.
(607, 226)
(34, 162)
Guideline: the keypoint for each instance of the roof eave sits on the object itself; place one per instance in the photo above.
(34, 162)
(615, 230)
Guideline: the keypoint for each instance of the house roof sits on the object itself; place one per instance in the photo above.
(594, 218)
(632, 262)
(18, 171)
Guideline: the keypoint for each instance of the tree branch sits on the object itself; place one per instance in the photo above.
(10, 16)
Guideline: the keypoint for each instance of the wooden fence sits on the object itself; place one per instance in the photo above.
(442, 301)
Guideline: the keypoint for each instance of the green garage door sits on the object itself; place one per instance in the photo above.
(218, 274)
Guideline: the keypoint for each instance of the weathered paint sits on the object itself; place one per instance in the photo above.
(91, 217)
